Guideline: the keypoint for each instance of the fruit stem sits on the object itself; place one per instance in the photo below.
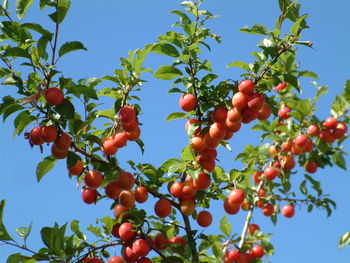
(247, 220)
(190, 237)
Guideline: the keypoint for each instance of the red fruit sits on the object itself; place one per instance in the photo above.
(228, 135)
(93, 179)
(288, 210)
(233, 126)
(245, 258)
(341, 126)
(236, 196)
(188, 189)
(268, 210)
(127, 199)
(127, 114)
(217, 130)
(270, 173)
(249, 115)
(265, 112)
(301, 140)
(197, 143)
(326, 136)
(188, 102)
(63, 142)
(176, 189)
(208, 154)
(210, 142)
(257, 251)
(134, 135)
(260, 204)
(234, 115)
(240, 100)
(144, 260)
(48, 133)
(311, 167)
(118, 210)
(219, 114)
(125, 232)
(233, 255)
(115, 230)
(108, 146)
(116, 259)
(163, 208)
(57, 153)
(192, 122)
(77, 168)
(246, 86)
(120, 139)
(161, 241)
(92, 260)
(54, 96)
(140, 247)
(126, 180)
(313, 130)
(130, 126)
(280, 86)
(128, 255)
(187, 206)
(177, 240)
(113, 190)
(257, 177)
(256, 102)
(287, 162)
(308, 147)
(202, 182)
(207, 165)
(34, 136)
(330, 123)
(283, 113)
(141, 194)
(204, 218)
(297, 150)
(231, 208)
(287, 146)
(245, 205)
(89, 195)
(252, 228)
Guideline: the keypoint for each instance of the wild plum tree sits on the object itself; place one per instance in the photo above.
(60, 115)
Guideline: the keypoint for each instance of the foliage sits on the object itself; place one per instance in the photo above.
(30, 56)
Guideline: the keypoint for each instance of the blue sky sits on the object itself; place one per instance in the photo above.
(109, 29)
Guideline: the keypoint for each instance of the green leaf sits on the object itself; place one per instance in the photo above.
(295, 28)
(256, 29)
(165, 49)
(184, 18)
(239, 64)
(18, 258)
(21, 7)
(4, 235)
(72, 159)
(22, 121)
(78, 90)
(61, 11)
(11, 109)
(66, 109)
(24, 232)
(38, 28)
(225, 226)
(175, 115)
(95, 230)
(339, 160)
(344, 240)
(141, 145)
(45, 166)
(16, 52)
(74, 226)
(188, 154)
(109, 114)
(70, 46)
(167, 73)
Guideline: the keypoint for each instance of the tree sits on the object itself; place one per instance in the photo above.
(52, 100)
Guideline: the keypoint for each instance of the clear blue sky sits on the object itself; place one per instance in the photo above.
(109, 29)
